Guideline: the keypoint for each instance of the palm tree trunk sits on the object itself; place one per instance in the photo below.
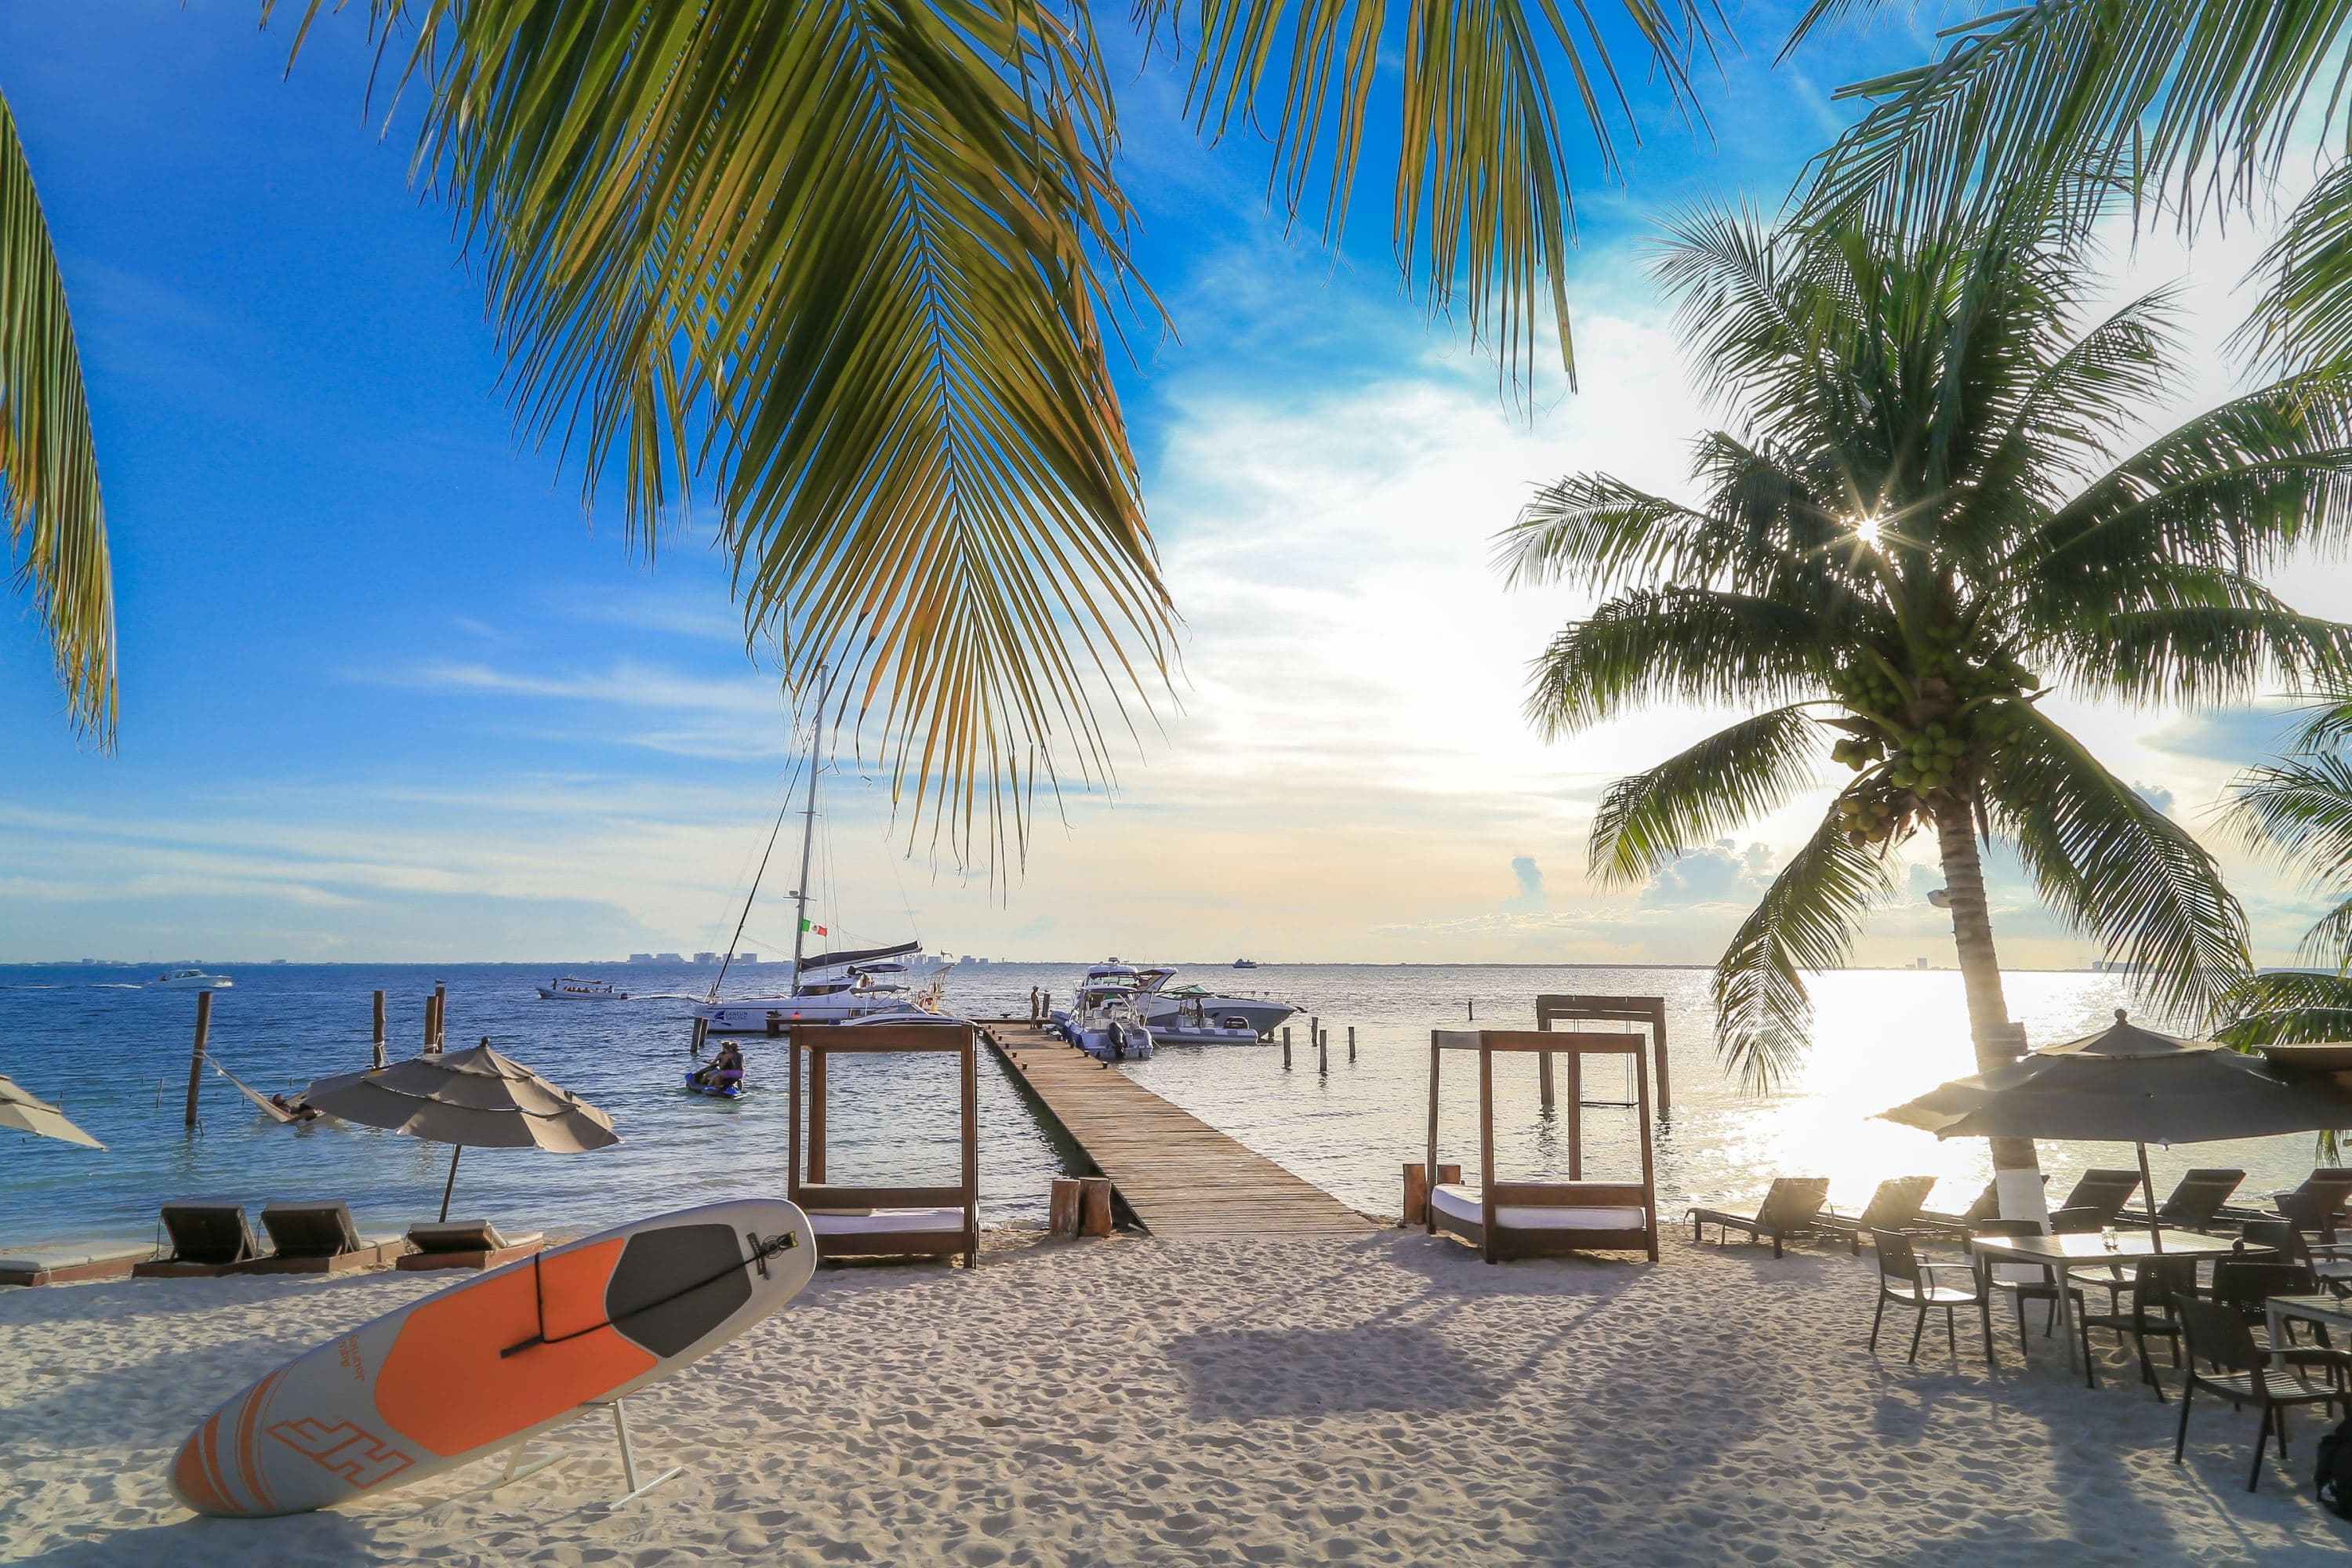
(2016, 1173)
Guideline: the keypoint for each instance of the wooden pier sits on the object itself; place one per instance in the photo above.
(1179, 1177)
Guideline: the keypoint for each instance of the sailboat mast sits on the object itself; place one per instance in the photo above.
(808, 829)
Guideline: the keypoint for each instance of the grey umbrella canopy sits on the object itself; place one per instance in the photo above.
(473, 1099)
(2130, 1085)
(28, 1113)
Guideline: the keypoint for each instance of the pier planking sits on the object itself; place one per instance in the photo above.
(1180, 1177)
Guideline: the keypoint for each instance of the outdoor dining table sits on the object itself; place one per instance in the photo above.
(2075, 1249)
(2328, 1311)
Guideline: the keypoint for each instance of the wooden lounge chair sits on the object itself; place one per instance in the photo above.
(1907, 1282)
(1895, 1206)
(319, 1238)
(2105, 1190)
(1792, 1207)
(2330, 1184)
(2217, 1338)
(208, 1240)
(1987, 1206)
(465, 1244)
(2196, 1201)
(885, 1222)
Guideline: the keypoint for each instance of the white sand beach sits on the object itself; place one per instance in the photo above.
(1387, 1401)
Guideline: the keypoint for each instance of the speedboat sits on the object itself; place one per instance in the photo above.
(1244, 964)
(1160, 1003)
(190, 978)
(1194, 1024)
(1105, 1024)
(567, 988)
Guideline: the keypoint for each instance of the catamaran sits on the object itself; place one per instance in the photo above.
(829, 987)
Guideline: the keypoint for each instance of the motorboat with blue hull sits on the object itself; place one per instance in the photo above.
(1207, 1016)
(1104, 1022)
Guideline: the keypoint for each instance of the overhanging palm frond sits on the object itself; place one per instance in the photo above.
(2114, 867)
(1734, 775)
(2299, 808)
(1482, 204)
(1696, 645)
(2240, 643)
(846, 261)
(1593, 530)
(1806, 920)
(48, 464)
(2289, 1009)
(2189, 99)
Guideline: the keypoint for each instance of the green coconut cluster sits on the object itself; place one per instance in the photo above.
(1921, 736)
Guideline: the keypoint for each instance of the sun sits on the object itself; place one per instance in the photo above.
(1868, 530)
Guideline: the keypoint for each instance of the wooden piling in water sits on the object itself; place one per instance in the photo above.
(1323, 1052)
(701, 1033)
(379, 1058)
(440, 1015)
(1543, 1078)
(1285, 1048)
(1094, 1205)
(1352, 1042)
(1472, 1004)
(1062, 1209)
(196, 1057)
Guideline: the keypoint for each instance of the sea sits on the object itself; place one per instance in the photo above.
(114, 1052)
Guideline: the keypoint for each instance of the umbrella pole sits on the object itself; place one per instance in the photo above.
(2147, 1182)
(458, 1149)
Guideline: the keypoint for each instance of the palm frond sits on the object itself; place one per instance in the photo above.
(1734, 775)
(48, 463)
(2189, 102)
(1482, 205)
(1806, 921)
(2114, 867)
(2302, 318)
(1673, 645)
(2299, 809)
(2223, 639)
(2289, 1008)
(847, 263)
(1595, 531)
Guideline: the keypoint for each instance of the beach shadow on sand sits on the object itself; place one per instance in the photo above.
(1256, 1374)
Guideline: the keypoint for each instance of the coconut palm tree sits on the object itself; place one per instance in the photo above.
(1914, 531)
(853, 269)
(48, 468)
(2192, 106)
(2297, 808)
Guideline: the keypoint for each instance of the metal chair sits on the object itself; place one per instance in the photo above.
(2216, 1336)
(2154, 1283)
(1904, 1279)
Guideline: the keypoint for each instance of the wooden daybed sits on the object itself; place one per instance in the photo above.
(884, 1222)
(1538, 1219)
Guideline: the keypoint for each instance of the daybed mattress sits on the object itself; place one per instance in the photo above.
(1462, 1203)
(887, 1222)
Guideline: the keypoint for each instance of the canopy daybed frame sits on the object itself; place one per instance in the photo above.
(1537, 1219)
(885, 1222)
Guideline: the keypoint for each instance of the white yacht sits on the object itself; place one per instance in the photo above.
(837, 988)
(1211, 1019)
(1195, 1023)
(570, 988)
(189, 978)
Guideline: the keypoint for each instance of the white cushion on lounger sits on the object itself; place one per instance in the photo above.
(886, 1222)
(1462, 1203)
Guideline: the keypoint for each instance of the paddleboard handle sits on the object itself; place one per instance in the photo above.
(761, 1250)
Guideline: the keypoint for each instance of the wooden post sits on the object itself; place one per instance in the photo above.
(1436, 1065)
(1323, 1052)
(1351, 1042)
(816, 1117)
(1575, 1115)
(1094, 1205)
(1285, 1048)
(1313, 1029)
(1062, 1209)
(1543, 1078)
(1416, 1195)
(1472, 1004)
(432, 1005)
(440, 1015)
(196, 1057)
(379, 1031)
(1448, 1176)
(701, 1033)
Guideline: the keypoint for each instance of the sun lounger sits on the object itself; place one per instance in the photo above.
(465, 1244)
(2195, 1201)
(1790, 1208)
(208, 1240)
(2330, 1184)
(319, 1238)
(1986, 1206)
(1894, 1208)
(2105, 1190)
(73, 1266)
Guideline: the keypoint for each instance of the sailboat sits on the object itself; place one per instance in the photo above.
(835, 988)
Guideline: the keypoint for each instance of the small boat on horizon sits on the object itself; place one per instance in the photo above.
(1244, 964)
(189, 978)
(570, 988)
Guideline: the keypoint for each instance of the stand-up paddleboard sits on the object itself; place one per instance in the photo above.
(486, 1363)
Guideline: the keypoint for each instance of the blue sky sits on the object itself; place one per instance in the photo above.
(385, 694)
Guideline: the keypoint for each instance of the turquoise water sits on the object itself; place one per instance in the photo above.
(117, 1058)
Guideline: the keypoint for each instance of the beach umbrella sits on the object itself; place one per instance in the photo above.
(469, 1100)
(28, 1114)
(2130, 1085)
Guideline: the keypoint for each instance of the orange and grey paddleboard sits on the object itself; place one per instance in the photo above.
(488, 1363)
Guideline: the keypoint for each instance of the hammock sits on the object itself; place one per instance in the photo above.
(269, 1108)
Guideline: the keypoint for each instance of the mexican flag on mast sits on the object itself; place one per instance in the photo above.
(807, 924)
